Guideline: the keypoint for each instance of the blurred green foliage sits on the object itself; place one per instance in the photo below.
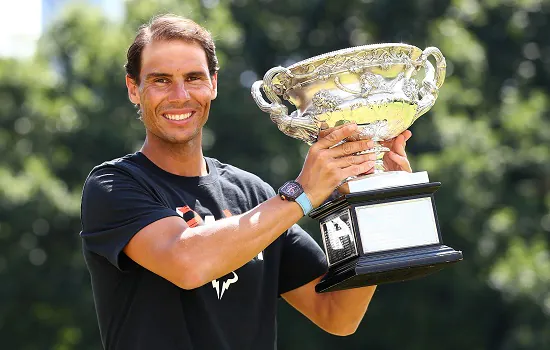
(486, 139)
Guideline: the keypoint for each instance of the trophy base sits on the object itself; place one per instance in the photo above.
(380, 236)
(396, 266)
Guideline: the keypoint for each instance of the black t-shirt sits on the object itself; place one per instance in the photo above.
(138, 309)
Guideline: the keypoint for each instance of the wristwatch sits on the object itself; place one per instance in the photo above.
(293, 191)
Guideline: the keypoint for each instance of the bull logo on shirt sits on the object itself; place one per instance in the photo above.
(225, 284)
(193, 219)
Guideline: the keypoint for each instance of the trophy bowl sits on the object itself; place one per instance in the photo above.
(376, 86)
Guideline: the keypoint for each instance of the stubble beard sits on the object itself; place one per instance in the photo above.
(153, 130)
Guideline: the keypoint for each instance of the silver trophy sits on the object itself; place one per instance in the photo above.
(385, 227)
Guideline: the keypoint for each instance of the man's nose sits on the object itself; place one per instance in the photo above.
(179, 93)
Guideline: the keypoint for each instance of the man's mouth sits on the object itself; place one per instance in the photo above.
(178, 116)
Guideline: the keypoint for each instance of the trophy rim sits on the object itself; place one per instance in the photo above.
(351, 50)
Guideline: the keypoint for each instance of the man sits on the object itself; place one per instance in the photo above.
(186, 252)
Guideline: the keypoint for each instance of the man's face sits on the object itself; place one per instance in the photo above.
(175, 90)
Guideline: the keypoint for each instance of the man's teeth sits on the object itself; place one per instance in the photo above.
(178, 116)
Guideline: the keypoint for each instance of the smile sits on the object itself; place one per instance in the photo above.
(178, 116)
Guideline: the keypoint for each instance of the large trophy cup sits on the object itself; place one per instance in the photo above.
(385, 229)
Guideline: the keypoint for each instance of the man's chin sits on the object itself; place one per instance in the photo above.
(181, 140)
(169, 137)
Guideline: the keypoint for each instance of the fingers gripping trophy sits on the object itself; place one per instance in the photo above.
(385, 227)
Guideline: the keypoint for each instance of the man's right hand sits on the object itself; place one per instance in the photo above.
(327, 165)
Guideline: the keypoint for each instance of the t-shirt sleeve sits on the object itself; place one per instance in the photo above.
(302, 260)
(115, 207)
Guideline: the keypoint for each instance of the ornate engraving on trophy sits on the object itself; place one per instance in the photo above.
(375, 130)
(325, 102)
(410, 88)
(382, 57)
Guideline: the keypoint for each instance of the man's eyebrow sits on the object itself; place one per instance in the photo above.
(196, 73)
(157, 75)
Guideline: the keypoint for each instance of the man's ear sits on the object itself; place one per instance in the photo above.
(215, 85)
(133, 91)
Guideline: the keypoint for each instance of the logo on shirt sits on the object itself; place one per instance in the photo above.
(225, 284)
(193, 219)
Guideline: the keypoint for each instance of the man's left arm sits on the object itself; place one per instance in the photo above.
(338, 313)
(341, 312)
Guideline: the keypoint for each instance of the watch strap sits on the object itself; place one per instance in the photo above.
(305, 203)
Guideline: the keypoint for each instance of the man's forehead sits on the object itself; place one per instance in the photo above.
(173, 55)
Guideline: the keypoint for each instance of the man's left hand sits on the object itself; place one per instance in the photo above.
(396, 158)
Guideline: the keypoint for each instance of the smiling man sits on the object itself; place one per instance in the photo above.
(186, 252)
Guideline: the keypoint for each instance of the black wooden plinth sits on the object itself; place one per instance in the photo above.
(372, 268)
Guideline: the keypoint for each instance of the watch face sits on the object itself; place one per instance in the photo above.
(292, 190)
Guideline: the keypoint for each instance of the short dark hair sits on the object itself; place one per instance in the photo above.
(169, 27)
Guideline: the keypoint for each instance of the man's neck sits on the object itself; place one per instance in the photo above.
(179, 159)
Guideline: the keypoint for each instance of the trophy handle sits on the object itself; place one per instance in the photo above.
(276, 108)
(432, 81)
(298, 126)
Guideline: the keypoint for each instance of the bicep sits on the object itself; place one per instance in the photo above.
(303, 264)
(302, 260)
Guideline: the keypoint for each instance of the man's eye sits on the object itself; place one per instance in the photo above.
(161, 80)
(193, 78)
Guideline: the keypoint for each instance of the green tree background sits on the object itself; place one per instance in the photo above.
(486, 139)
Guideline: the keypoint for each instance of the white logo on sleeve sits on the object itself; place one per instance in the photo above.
(225, 285)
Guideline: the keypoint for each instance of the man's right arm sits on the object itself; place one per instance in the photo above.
(190, 257)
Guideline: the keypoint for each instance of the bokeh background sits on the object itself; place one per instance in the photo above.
(64, 109)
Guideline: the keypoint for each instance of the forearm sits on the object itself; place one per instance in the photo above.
(339, 312)
(213, 250)
(346, 308)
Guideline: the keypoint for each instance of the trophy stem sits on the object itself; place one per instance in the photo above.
(379, 150)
